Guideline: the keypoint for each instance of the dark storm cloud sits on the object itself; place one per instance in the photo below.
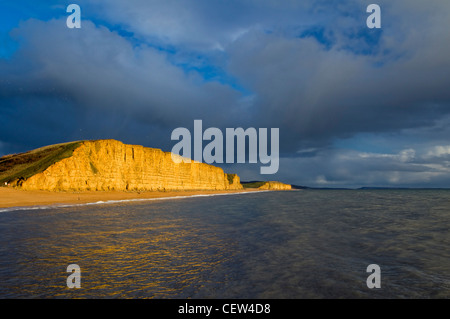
(317, 85)
(317, 95)
(200, 24)
(72, 76)
(308, 67)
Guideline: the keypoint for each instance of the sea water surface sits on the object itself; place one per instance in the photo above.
(291, 244)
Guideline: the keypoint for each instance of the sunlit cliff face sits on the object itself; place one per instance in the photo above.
(112, 165)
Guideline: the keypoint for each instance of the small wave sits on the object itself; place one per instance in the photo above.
(117, 201)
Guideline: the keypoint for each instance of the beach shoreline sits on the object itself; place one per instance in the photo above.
(14, 197)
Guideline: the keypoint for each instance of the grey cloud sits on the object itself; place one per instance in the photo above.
(349, 168)
(74, 76)
(310, 68)
(199, 24)
(317, 94)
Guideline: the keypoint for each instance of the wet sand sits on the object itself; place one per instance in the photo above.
(12, 197)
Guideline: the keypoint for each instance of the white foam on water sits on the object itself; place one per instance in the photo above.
(117, 201)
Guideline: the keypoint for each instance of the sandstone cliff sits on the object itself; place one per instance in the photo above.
(266, 185)
(112, 165)
(275, 186)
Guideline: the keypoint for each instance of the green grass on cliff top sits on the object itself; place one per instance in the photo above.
(252, 184)
(25, 165)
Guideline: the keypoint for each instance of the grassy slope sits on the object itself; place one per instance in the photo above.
(252, 184)
(13, 167)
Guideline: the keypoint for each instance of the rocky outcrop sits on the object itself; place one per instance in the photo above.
(275, 186)
(112, 165)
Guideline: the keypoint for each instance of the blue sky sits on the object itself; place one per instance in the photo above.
(355, 106)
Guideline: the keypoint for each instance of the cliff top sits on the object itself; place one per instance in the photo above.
(27, 164)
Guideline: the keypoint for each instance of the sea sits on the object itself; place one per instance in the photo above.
(303, 244)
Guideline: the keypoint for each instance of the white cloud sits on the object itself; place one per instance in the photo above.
(407, 155)
(438, 151)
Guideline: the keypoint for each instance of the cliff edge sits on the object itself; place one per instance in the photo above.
(109, 165)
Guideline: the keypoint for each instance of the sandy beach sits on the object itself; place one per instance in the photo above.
(12, 197)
